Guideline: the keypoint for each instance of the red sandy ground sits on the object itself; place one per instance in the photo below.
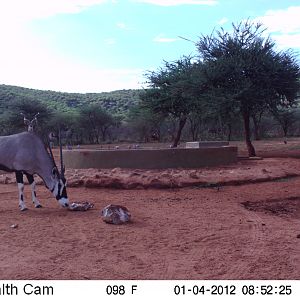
(231, 229)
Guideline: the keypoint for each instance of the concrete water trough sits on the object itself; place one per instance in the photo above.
(205, 144)
(150, 158)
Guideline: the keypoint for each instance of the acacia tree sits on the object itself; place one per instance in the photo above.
(145, 123)
(174, 91)
(97, 120)
(244, 71)
(195, 121)
(68, 123)
(286, 118)
(256, 119)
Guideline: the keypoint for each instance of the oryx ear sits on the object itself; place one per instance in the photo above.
(52, 136)
(54, 172)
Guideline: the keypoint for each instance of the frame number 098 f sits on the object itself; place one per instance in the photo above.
(119, 290)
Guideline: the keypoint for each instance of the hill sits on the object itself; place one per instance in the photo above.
(115, 102)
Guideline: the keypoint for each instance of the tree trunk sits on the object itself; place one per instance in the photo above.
(158, 133)
(103, 133)
(97, 137)
(193, 132)
(256, 129)
(251, 150)
(229, 126)
(193, 128)
(256, 122)
(91, 138)
(182, 122)
(285, 128)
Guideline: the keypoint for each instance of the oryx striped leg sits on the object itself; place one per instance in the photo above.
(31, 181)
(20, 182)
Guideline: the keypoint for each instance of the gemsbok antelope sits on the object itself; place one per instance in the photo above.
(30, 178)
(25, 153)
(30, 123)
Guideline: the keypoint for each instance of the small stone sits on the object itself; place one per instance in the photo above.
(14, 226)
(115, 214)
(115, 170)
(194, 175)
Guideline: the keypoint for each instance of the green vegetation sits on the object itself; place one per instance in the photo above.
(238, 74)
(116, 102)
(89, 117)
(175, 91)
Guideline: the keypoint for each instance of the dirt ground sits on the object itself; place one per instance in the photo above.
(224, 224)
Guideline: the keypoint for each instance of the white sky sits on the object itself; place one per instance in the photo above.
(30, 60)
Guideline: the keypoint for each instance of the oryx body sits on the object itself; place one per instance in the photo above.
(26, 153)
(30, 178)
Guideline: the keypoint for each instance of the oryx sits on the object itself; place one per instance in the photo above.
(30, 178)
(30, 123)
(26, 153)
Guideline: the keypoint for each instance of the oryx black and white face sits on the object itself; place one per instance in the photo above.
(31, 123)
(59, 189)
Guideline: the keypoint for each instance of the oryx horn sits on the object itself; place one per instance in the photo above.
(62, 167)
(51, 153)
(26, 121)
(35, 117)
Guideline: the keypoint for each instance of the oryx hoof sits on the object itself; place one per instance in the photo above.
(38, 206)
(23, 208)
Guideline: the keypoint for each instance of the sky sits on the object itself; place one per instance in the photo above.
(103, 45)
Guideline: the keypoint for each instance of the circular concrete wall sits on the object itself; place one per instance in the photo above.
(150, 159)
